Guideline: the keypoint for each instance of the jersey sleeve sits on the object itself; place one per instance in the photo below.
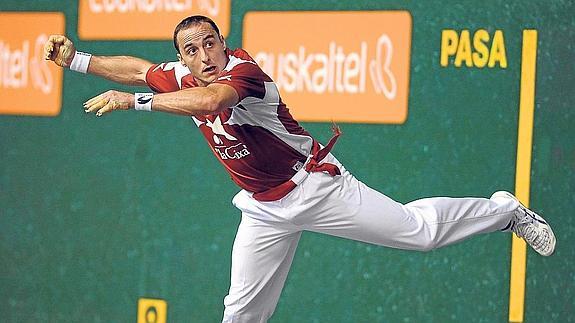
(162, 78)
(246, 78)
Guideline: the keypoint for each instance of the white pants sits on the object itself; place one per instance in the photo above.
(342, 206)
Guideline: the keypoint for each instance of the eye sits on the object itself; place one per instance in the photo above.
(192, 50)
(209, 44)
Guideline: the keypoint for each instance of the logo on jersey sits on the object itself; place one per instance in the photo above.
(234, 152)
(352, 72)
(225, 78)
(218, 130)
(225, 144)
(297, 166)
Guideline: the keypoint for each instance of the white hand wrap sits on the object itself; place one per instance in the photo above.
(80, 62)
(143, 101)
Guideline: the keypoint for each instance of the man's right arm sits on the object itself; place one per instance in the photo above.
(121, 69)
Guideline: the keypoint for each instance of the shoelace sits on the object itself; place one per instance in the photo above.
(526, 229)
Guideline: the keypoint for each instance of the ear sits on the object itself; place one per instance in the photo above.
(223, 40)
(181, 60)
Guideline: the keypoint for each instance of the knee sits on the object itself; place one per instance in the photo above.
(241, 317)
(427, 242)
(238, 312)
(428, 245)
(425, 237)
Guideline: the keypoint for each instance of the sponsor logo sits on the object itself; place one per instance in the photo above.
(143, 100)
(297, 166)
(353, 67)
(145, 19)
(233, 152)
(152, 310)
(477, 51)
(225, 78)
(218, 129)
(29, 84)
(225, 145)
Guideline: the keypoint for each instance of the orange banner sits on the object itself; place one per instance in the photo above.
(341, 66)
(29, 85)
(145, 19)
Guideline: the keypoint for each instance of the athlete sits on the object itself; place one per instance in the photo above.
(289, 182)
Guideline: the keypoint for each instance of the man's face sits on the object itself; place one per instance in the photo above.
(202, 50)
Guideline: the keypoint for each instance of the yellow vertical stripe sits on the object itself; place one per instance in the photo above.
(523, 171)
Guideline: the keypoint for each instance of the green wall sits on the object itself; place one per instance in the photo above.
(96, 213)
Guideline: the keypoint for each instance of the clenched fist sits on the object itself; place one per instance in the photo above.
(59, 49)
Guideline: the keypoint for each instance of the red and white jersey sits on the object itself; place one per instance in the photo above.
(258, 141)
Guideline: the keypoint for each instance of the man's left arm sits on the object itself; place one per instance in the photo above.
(211, 99)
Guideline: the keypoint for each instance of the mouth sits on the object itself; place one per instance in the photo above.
(209, 69)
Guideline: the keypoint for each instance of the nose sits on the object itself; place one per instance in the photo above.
(204, 55)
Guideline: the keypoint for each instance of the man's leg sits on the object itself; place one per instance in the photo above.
(261, 259)
(351, 209)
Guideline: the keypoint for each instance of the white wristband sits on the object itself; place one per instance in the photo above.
(80, 62)
(143, 101)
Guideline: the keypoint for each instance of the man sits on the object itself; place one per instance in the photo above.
(290, 183)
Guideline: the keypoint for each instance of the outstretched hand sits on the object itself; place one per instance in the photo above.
(109, 101)
(59, 49)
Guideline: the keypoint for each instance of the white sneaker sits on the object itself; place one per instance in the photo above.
(531, 227)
